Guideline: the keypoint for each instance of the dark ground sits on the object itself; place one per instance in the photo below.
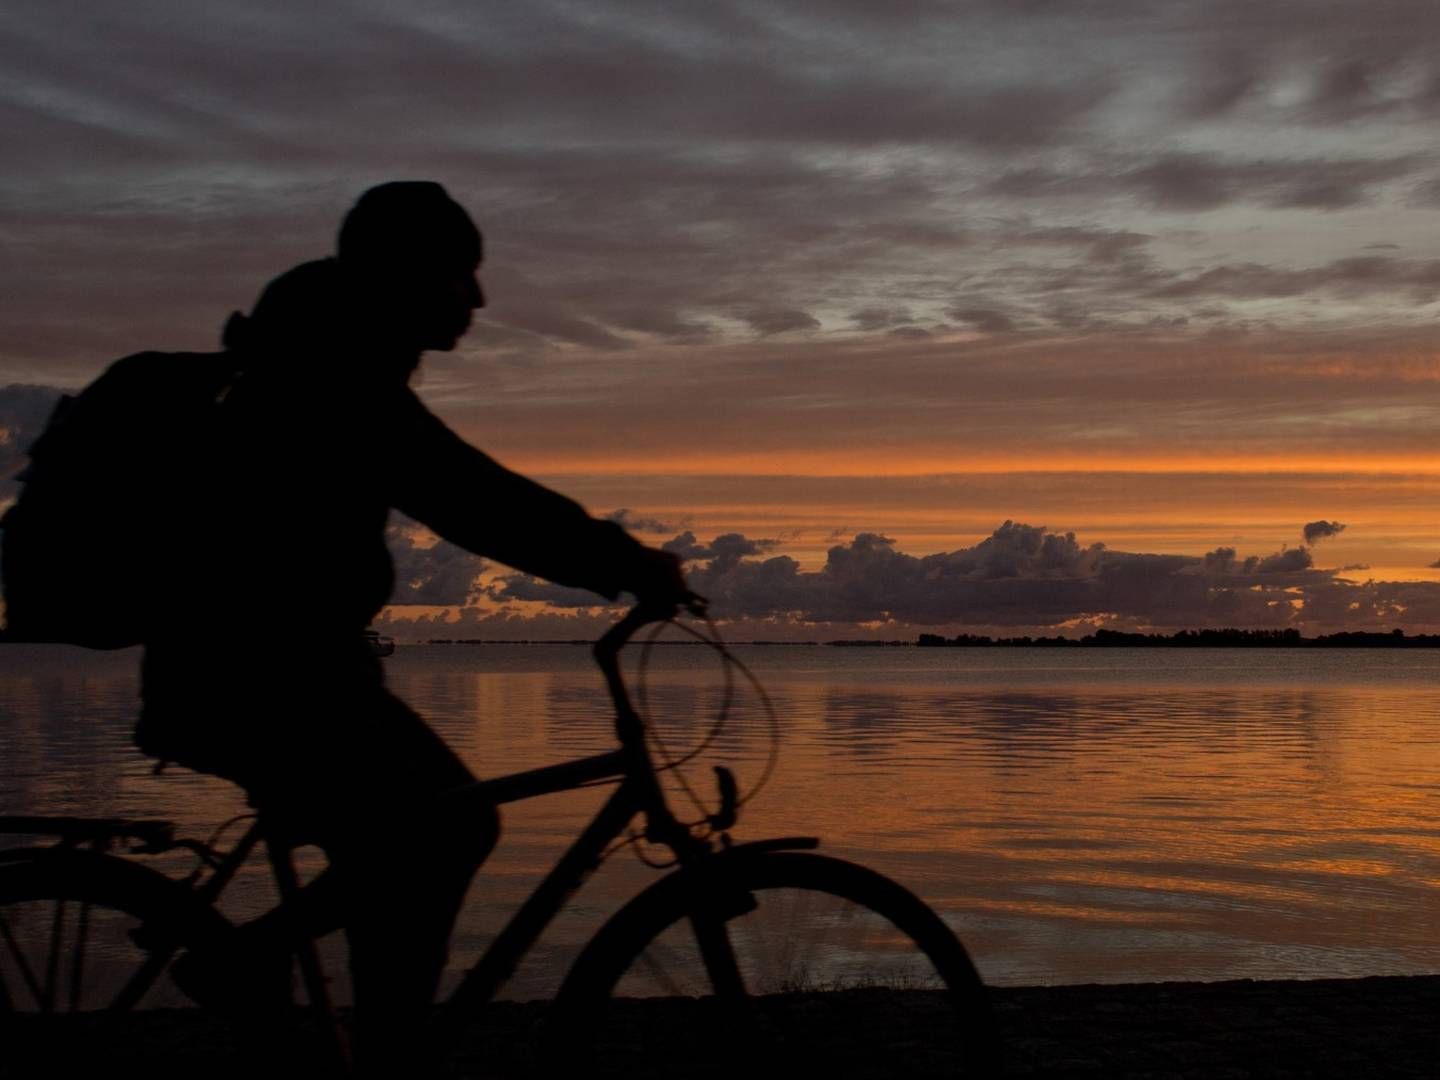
(1378, 1027)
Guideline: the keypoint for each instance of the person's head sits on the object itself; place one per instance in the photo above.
(415, 253)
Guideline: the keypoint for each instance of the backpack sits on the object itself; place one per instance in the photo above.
(118, 476)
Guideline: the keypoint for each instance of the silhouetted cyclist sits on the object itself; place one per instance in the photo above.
(320, 436)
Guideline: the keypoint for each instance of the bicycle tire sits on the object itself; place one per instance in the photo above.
(73, 954)
(823, 1022)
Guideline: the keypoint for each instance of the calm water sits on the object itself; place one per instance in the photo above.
(1077, 816)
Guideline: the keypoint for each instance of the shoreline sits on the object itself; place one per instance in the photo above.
(1378, 1026)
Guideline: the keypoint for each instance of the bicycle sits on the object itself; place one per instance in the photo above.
(58, 899)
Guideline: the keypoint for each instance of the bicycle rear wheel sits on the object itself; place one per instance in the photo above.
(776, 960)
(84, 934)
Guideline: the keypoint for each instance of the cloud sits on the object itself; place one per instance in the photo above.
(779, 320)
(1220, 561)
(1196, 182)
(1192, 182)
(497, 624)
(628, 519)
(1320, 530)
(726, 549)
(703, 178)
(1287, 561)
(526, 588)
(775, 169)
(880, 317)
(434, 573)
(23, 413)
(1020, 576)
(1418, 280)
(990, 320)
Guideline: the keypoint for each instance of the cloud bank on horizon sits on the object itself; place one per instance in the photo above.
(1019, 579)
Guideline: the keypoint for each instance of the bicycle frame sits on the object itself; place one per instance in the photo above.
(639, 793)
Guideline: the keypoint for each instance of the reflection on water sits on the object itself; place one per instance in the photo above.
(1077, 816)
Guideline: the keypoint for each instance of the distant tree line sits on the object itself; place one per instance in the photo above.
(1228, 638)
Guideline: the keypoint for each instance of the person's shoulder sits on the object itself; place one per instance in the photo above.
(156, 364)
(161, 372)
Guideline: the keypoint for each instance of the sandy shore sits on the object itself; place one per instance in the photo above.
(1355, 1028)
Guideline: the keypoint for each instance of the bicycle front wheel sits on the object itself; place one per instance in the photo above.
(776, 960)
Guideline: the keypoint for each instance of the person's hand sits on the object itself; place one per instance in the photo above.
(658, 582)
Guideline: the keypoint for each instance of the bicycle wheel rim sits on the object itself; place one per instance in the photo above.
(844, 971)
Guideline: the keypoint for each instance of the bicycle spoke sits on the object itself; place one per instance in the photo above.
(27, 974)
(52, 962)
(82, 959)
(70, 940)
(77, 965)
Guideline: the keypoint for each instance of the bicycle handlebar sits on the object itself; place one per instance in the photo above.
(628, 725)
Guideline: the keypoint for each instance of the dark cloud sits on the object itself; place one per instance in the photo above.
(1351, 89)
(989, 320)
(524, 587)
(880, 318)
(505, 623)
(431, 572)
(1288, 561)
(23, 413)
(1320, 530)
(1220, 561)
(726, 549)
(1197, 182)
(686, 546)
(1427, 193)
(1020, 575)
(1417, 280)
(628, 519)
(779, 320)
(1100, 245)
(1220, 82)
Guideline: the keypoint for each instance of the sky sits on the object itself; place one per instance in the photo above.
(1017, 316)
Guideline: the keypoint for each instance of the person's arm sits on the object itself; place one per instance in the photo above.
(472, 500)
